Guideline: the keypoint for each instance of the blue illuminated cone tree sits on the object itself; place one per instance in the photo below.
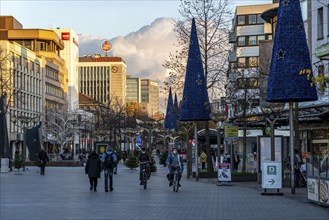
(176, 105)
(291, 69)
(171, 118)
(195, 104)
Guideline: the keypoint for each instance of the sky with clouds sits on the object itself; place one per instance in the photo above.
(141, 31)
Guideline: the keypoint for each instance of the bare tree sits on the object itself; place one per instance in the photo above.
(6, 77)
(271, 111)
(61, 123)
(243, 95)
(212, 18)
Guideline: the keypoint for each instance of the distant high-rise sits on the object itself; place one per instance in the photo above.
(70, 54)
(133, 89)
(103, 78)
(150, 97)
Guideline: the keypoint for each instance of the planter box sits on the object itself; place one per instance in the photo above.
(236, 177)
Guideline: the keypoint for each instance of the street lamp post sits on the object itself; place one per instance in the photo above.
(164, 136)
(173, 140)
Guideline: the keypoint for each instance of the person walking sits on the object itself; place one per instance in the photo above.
(115, 170)
(203, 160)
(297, 164)
(109, 160)
(236, 161)
(93, 169)
(43, 157)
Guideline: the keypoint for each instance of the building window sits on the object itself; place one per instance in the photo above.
(27, 44)
(241, 20)
(320, 70)
(260, 19)
(248, 62)
(41, 45)
(254, 103)
(242, 83)
(320, 23)
(252, 19)
(241, 41)
(259, 38)
(253, 83)
(252, 40)
(241, 62)
(253, 61)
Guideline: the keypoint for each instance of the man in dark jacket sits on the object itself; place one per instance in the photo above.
(93, 169)
(43, 157)
(144, 160)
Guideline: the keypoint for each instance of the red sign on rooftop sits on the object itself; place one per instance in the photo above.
(65, 35)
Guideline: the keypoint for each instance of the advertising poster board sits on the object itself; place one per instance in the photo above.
(312, 189)
(224, 172)
(264, 149)
(318, 192)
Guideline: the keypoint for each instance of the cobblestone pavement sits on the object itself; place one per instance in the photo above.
(63, 193)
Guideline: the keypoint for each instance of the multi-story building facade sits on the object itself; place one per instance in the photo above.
(38, 76)
(103, 78)
(314, 135)
(320, 40)
(150, 97)
(243, 76)
(70, 54)
(133, 89)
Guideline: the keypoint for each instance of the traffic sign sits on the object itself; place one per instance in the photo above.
(272, 175)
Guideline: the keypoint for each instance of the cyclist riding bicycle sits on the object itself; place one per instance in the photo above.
(175, 161)
(144, 160)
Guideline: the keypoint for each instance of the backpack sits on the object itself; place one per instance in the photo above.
(109, 162)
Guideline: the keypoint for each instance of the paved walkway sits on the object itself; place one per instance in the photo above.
(63, 193)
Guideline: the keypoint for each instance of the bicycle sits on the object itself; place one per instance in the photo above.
(144, 174)
(175, 181)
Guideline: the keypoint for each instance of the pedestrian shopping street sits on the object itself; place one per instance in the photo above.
(63, 193)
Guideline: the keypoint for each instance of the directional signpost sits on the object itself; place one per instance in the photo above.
(271, 177)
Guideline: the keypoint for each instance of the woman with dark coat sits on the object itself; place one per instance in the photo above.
(93, 169)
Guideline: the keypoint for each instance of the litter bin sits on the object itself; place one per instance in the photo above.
(4, 165)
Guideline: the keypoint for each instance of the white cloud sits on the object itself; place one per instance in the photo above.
(144, 51)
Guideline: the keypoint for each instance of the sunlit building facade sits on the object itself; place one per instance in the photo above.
(70, 54)
(103, 78)
(38, 76)
(150, 96)
(133, 89)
